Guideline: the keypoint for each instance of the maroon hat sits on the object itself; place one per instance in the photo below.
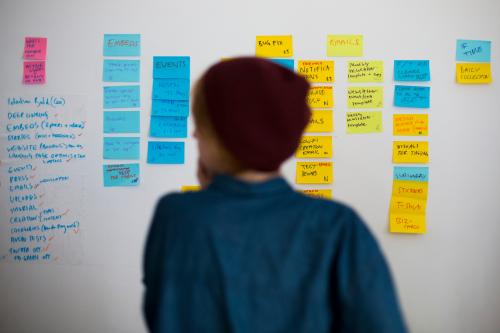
(258, 110)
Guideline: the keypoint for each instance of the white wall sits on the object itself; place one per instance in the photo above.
(447, 279)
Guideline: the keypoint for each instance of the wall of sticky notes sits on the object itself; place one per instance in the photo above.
(96, 125)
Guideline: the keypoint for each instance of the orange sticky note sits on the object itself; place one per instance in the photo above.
(34, 72)
(320, 97)
(473, 73)
(410, 152)
(317, 70)
(35, 48)
(410, 124)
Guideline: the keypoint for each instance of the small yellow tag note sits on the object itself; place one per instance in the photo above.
(410, 124)
(344, 46)
(364, 122)
(190, 188)
(407, 223)
(410, 152)
(320, 97)
(321, 121)
(323, 194)
(365, 71)
(314, 147)
(404, 205)
(317, 70)
(473, 73)
(274, 46)
(314, 173)
(365, 97)
(410, 189)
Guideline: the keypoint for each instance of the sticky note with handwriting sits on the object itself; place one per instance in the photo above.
(171, 67)
(162, 152)
(410, 124)
(473, 73)
(365, 97)
(35, 48)
(365, 71)
(404, 205)
(116, 97)
(318, 193)
(344, 46)
(320, 97)
(168, 127)
(121, 122)
(121, 70)
(121, 175)
(410, 152)
(34, 72)
(420, 174)
(410, 189)
(314, 173)
(164, 107)
(274, 46)
(122, 45)
(364, 122)
(407, 223)
(315, 147)
(171, 89)
(412, 96)
(412, 70)
(473, 50)
(321, 71)
(121, 148)
(321, 121)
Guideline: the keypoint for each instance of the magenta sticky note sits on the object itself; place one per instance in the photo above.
(35, 48)
(34, 72)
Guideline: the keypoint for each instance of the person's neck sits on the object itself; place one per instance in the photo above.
(253, 176)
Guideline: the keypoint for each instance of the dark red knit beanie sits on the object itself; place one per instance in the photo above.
(258, 110)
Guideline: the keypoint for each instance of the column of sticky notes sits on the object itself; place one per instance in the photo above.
(35, 52)
(407, 213)
(473, 66)
(121, 103)
(169, 109)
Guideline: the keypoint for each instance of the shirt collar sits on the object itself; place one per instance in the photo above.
(226, 183)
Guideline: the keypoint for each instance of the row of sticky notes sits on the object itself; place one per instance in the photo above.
(409, 200)
(474, 61)
(35, 52)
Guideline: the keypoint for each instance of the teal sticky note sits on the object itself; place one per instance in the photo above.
(168, 127)
(121, 70)
(412, 96)
(171, 67)
(412, 70)
(171, 89)
(473, 50)
(121, 148)
(418, 174)
(122, 45)
(116, 97)
(161, 152)
(164, 107)
(121, 174)
(121, 121)
(287, 63)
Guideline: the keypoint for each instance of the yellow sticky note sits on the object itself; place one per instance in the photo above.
(365, 71)
(314, 147)
(317, 70)
(274, 46)
(410, 189)
(321, 121)
(410, 152)
(364, 122)
(407, 223)
(190, 188)
(471, 73)
(314, 173)
(410, 124)
(403, 205)
(365, 97)
(323, 194)
(320, 97)
(344, 46)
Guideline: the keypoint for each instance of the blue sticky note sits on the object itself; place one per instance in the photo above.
(121, 70)
(418, 174)
(168, 127)
(412, 96)
(121, 148)
(122, 45)
(164, 107)
(161, 152)
(287, 63)
(473, 50)
(121, 174)
(171, 89)
(115, 97)
(171, 68)
(412, 70)
(121, 121)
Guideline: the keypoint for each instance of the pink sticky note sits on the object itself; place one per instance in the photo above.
(35, 48)
(34, 72)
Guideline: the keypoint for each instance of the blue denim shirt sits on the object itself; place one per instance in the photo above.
(259, 257)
